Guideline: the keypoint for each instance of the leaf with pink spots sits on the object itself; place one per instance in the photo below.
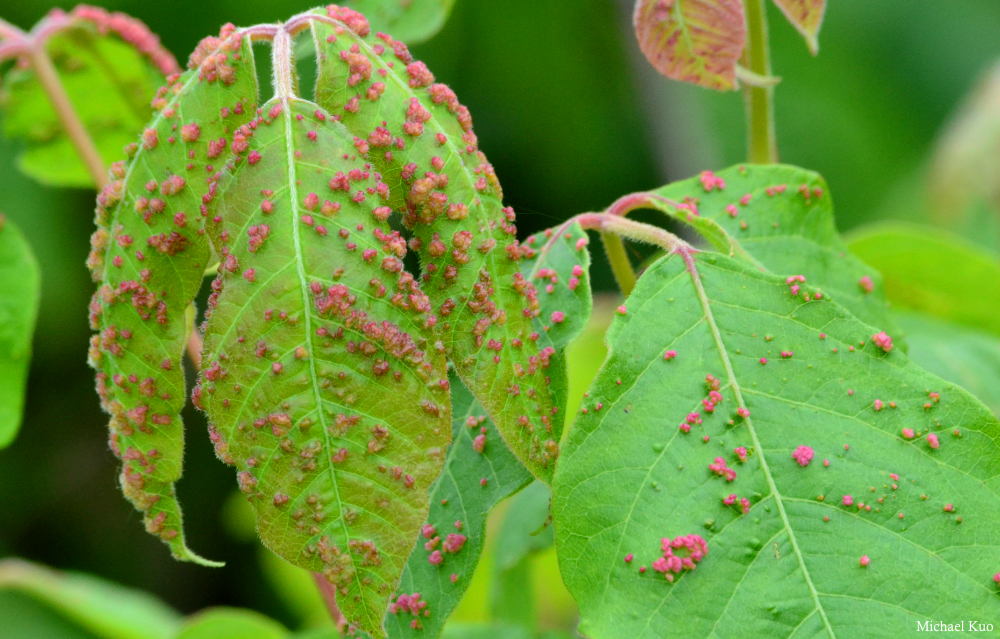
(653, 535)
(807, 17)
(695, 41)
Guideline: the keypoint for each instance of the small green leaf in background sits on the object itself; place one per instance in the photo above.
(106, 609)
(20, 290)
(110, 82)
(806, 16)
(485, 631)
(782, 217)
(934, 272)
(231, 623)
(696, 41)
(412, 21)
(629, 476)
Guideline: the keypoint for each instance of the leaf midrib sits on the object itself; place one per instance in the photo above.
(692, 269)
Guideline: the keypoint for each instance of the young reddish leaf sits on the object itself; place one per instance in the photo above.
(695, 41)
(842, 448)
(110, 65)
(20, 290)
(782, 218)
(148, 256)
(415, 132)
(807, 17)
(323, 382)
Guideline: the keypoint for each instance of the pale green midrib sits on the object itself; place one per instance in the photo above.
(724, 356)
(307, 323)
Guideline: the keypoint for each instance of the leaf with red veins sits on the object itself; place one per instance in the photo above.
(694, 41)
(807, 17)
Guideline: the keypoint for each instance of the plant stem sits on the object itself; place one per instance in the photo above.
(617, 227)
(49, 79)
(759, 101)
(329, 594)
(620, 264)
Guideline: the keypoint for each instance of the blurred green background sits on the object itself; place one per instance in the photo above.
(572, 117)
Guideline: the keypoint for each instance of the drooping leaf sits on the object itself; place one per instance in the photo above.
(695, 41)
(806, 16)
(231, 623)
(106, 609)
(782, 217)
(630, 477)
(934, 272)
(967, 357)
(417, 135)
(322, 380)
(148, 256)
(477, 453)
(412, 21)
(110, 65)
(20, 284)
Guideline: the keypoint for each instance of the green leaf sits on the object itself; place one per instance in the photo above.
(629, 476)
(148, 256)
(231, 623)
(806, 16)
(106, 609)
(484, 631)
(412, 21)
(786, 224)
(967, 357)
(20, 289)
(416, 133)
(457, 496)
(110, 66)
(321, 377)
(695, 41)
(934, 272)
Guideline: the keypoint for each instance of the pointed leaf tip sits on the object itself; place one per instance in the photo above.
(807, 17)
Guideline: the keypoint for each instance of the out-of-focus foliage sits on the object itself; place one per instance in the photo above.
(412, 21)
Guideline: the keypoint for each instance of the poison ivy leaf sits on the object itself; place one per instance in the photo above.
(782, 217)
(322, 380)
(106, 609)
(477, 455)
(110, 65)
(806, 16)
(934, 272)
(808, 557)
(417, 135)
(148, 256)
(412, 21)
(231, 623)
(967, 357)
(20, 283)
(695, 41)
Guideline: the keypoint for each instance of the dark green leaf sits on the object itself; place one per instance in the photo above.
(526, 528)
(110, 82)
(20, 288)
(934, 272)
(106, 609)
(412, 21)
(629, 476)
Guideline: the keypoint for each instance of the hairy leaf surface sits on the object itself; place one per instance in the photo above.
(806, 16)
(321, 377)
(149, 254)
(695, 41)
(782, 217)
(968, 357)
(934, 272)
(415, 132)
(110, 66)
(791, 566)
(412, 21)
(20, 290)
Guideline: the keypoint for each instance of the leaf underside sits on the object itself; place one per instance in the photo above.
(630, 476)
(109, 83)
(412, 21)
(782, 217)
(807, 17)
(695, 41)
(320, 375)
(20, 288)
(148, 257)
(415, 132)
